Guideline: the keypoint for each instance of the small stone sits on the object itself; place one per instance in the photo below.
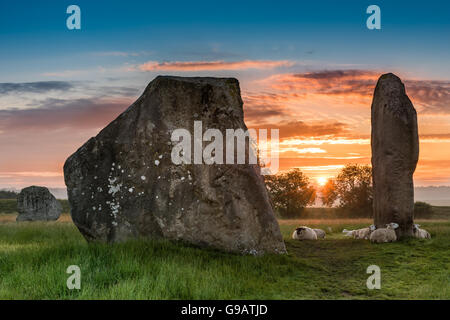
(37, 204)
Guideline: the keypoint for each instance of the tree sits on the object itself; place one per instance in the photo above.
(5, 194)
(352, 189)
(422, 209)
(328, 193)
(290, 192)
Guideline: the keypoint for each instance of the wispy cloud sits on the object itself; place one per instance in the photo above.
(59, 113)
(48, 133)
(117, 54)
(263, 105)
(30, 174)
(322, 141)
(213, 65)
(91, 72)
(64, 73)
(435, 137)
(35, 87)
(333, 82)
(303, 150)
(301, 129)
(357, 86)
(433, 96)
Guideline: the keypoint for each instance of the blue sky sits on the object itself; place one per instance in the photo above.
(58, 87)
(33, 35)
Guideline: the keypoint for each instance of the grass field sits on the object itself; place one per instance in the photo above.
(9, 206)
(34, 258)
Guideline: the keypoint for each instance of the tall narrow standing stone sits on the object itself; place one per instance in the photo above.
(395, 151)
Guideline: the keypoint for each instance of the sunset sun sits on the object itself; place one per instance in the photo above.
(321, 181)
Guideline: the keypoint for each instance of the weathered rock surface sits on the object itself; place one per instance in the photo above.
(122, 184)
(37, 204)
(395, 151)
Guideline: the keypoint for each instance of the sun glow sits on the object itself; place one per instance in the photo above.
(321, 181)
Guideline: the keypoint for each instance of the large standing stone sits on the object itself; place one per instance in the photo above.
(395, 151)
(37, 204)
(122, 183)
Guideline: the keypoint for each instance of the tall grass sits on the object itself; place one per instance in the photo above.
(34, 258)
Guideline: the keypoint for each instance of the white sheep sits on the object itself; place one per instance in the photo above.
(348, 233)
(420, 233)
(320, 233)
(304, 233)
(385, 234)
(363, 233)
(366, 232)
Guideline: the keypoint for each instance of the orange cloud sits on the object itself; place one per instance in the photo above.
(213, 65)
(311, 130)
(431, 97)
(330, 134)
(314, 141)
(334, 82)
(303, 150)
(357, 86)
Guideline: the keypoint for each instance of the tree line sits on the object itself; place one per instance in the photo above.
(351, 192)
(5, 194)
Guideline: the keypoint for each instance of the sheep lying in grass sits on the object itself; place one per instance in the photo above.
(420, 233)
(320, 233)
(363, 233)
(385, 234)
(304, 233)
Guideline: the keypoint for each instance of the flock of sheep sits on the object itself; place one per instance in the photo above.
(370, 233)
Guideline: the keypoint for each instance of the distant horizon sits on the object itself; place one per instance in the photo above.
(420, 194)
(18, 188)
(65, 188)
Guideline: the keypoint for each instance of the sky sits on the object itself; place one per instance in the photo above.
(308, 68)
